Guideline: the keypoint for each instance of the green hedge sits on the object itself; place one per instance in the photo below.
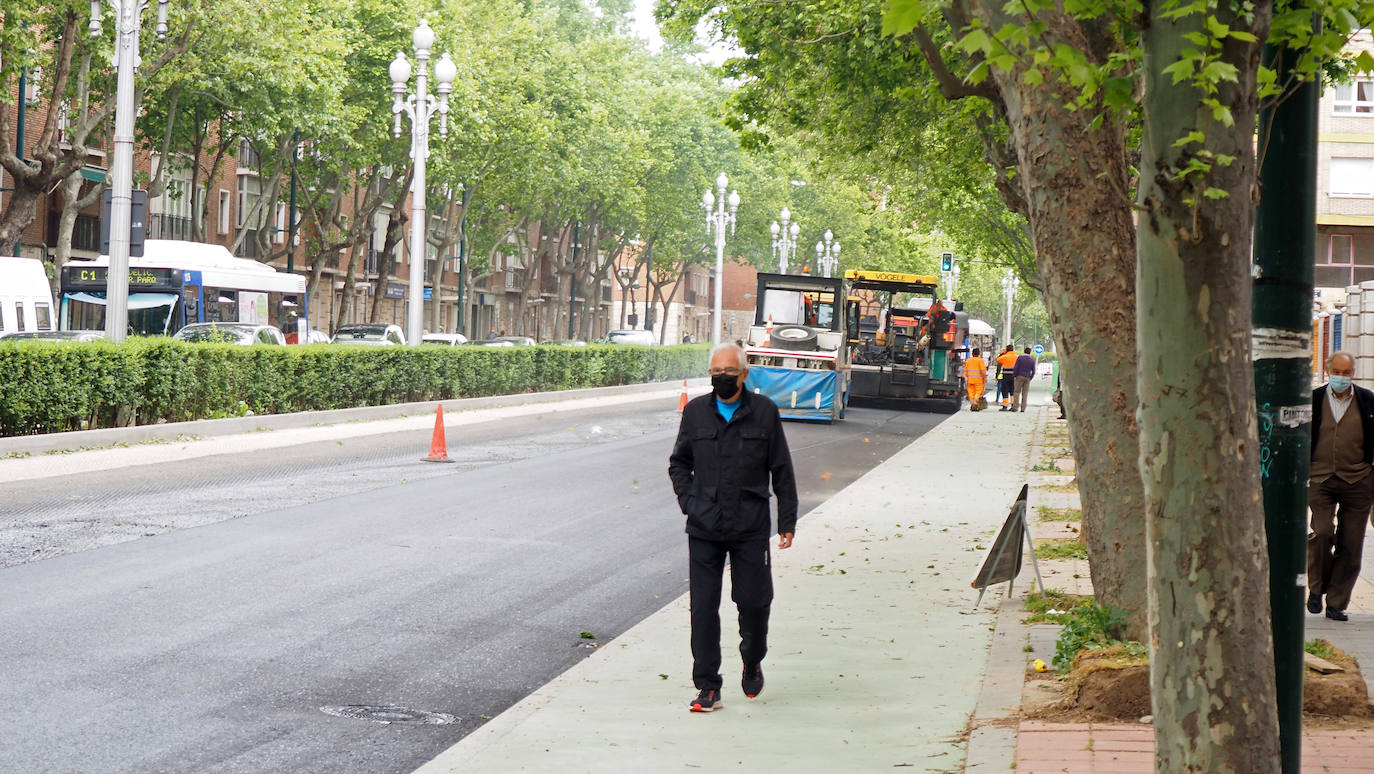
(50, 387)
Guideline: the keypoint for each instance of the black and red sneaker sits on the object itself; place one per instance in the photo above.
(752, 682)
(707, 701)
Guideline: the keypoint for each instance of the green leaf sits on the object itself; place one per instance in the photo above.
(975, 41)
(1364, 62)
(1242, 35)
(1220, 71)
(901, 16)
(1215, 193)
(1181, 70)
(1189, 138)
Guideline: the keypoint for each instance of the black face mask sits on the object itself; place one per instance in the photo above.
(724, 386)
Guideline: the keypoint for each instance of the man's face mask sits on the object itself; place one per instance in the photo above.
(725, 385)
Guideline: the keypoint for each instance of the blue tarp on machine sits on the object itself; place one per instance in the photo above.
(799, 394)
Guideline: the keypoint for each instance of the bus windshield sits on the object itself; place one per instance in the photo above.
(150, 314)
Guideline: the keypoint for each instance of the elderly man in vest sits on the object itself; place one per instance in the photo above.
(1340, 487)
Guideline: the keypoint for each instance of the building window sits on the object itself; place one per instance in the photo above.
(1352, 177)
(223, 211)
(249, 191)
(170, 216)
(248, 158)
(1355, 97)
(279, 236)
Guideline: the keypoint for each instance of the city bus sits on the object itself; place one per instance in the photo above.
(176, 283)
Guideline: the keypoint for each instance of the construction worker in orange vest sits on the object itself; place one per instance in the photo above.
(976, 373)
(1005, 387)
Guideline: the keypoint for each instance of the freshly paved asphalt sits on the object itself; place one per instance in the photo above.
(459, 591)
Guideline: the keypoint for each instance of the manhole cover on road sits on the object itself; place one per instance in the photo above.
(387, 713)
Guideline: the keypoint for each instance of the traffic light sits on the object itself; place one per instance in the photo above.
(946, 261)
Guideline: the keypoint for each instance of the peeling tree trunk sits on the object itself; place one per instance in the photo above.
(1211, 654)
(1073, 190)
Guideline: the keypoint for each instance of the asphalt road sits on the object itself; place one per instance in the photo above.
(332, 575)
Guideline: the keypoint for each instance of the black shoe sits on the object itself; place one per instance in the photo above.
(752, 682)
(1314, 603)
(707, 701)
(1336, 615)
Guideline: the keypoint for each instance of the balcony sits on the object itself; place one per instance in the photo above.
(512, 280)
(169, 227)
(691, 297)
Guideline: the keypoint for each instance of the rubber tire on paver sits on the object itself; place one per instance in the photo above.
(795, 338)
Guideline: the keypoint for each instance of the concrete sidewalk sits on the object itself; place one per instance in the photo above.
(876, 656)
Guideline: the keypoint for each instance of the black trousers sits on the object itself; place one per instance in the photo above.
(1336, 542)
(751, 582)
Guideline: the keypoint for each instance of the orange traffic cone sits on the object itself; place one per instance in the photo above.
(768, 332)
(682, 399)
(438, 446)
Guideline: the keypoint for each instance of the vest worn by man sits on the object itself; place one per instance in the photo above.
(1338, 449)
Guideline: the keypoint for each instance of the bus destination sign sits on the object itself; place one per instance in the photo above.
(97, 277)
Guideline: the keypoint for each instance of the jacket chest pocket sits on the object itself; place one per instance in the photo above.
(753, 444)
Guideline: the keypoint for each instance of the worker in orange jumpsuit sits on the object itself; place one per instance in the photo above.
(1005, 363)
(976, 373)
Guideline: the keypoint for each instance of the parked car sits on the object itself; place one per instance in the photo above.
(371, 334)
(641, 338)
(54, 336)
(312, 336)
(565, 343)
(444, 339)
(245, 334)
(509, 341)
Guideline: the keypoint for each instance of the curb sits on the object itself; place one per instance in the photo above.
(208, 428)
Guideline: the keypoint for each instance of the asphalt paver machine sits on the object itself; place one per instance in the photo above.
(905, 343)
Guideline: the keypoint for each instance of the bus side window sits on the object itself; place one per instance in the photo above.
(19, 316)
(44, 314)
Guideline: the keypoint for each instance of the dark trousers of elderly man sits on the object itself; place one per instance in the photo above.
(1340, 490)
(721, 470)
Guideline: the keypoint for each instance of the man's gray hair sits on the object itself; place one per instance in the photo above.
(726, 346)
(1339, 353)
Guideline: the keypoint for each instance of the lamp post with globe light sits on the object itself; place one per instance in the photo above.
(784, 239)
(420, 107)
(827, 253)
(1010, 284)
(128, 15)
(717, 218)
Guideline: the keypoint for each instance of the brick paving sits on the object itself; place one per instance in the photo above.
(1099, 748)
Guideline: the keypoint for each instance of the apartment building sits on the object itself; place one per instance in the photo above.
(1345, 182)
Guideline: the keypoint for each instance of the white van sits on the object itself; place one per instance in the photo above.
(25, 297)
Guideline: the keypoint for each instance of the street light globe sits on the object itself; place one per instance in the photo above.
(734, 197)
(796, 230)
(400, 70)
(774, 229)
(445, 71)
(721, 182)
(786, 214)
(708, 199)
(837, 249)
(423, 38)
(829, 235)
(820, 249)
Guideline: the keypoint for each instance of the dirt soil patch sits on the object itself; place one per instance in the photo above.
(1103, 686)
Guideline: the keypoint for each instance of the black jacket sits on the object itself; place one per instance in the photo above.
(721, 471)
(1364, 401)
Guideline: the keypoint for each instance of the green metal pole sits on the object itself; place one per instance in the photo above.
(572, 282)
(1285, 242)
(291, 217)
(19, 137)
(462, 265)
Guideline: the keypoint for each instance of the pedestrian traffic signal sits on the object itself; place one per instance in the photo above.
(946, 261)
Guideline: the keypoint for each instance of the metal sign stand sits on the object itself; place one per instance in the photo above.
(1014, 530)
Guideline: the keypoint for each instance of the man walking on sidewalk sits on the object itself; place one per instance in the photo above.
(730, 445)
(1340, 487)
(1023, 372)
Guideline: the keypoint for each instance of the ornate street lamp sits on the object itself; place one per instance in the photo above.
(784, 240)
(420, 107)
(828, 253)
(718, 217)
